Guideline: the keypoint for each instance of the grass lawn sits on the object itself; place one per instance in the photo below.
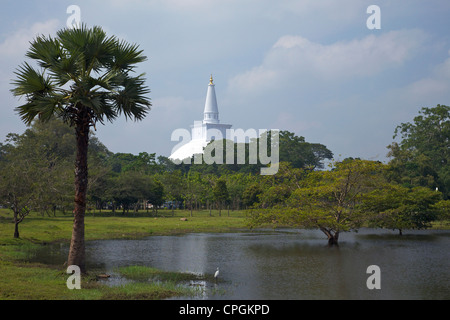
(23, 280)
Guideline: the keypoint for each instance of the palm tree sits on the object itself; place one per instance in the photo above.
(83, 77)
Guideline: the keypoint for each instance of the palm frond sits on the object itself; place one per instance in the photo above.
(96, 48)
(46, 51)
(67, 69)
(126, 56)
(131, 100)
(31, 82)
(42, 107)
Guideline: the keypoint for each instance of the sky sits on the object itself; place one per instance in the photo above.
(312, 67)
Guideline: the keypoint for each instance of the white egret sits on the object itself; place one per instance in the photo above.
(217, 273)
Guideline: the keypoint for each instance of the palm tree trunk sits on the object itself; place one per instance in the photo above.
(77, 246)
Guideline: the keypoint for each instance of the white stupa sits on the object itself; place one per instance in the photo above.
(202, 132)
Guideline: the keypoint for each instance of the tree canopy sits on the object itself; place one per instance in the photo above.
(422, 157)
(326, 200)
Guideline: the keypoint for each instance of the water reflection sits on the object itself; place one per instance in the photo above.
(289, 264)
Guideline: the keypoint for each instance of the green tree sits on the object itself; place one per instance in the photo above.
(52, 147)
(327, 200)
(17, 189)
(100, 177)
(34, 172)
(443, 209)
(174, 185)
(154, 193)
(220, 194)
(195, 189)
(131, 188)
(400, 208)
(422, 157)
(143, 162)
(250, 196)
(236, 185)
(273, 196)
(302, 154)
(84, 78)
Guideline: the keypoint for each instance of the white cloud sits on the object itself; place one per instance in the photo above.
(442, 71)
(12, 52)
(18, 43)
(295, 58)
(429, 90)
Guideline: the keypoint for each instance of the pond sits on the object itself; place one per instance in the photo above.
(287, 264)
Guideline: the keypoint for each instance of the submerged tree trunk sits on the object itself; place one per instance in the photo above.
(77, 246)
(333, 240)
(333, 237)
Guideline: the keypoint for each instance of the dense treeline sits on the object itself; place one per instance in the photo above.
(44, 154)
(411, 191)
(408, 193)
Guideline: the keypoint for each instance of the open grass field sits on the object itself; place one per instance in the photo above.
(23, 280)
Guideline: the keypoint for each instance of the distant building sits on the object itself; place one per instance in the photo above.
(202, 132)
